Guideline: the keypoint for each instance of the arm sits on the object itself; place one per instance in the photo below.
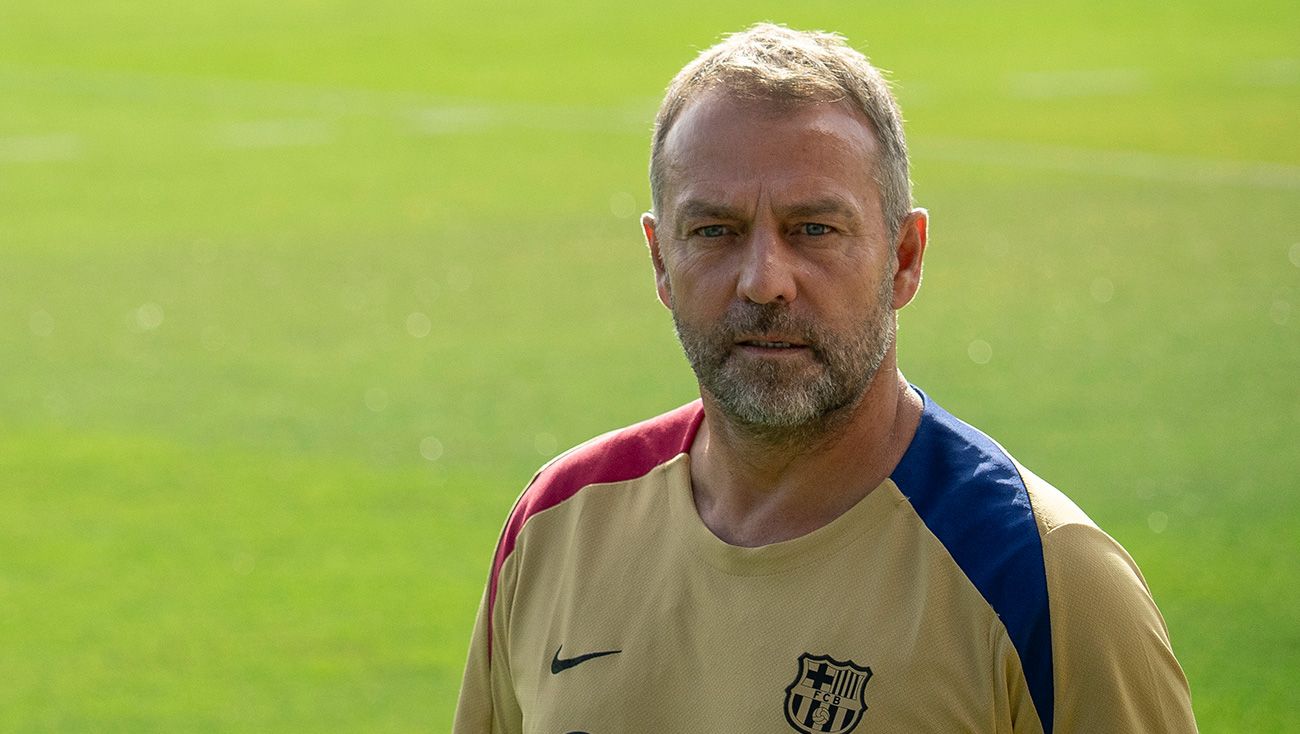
(487, 702)
(1114, 666)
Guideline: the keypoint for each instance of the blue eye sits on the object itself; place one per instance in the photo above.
(712, 230)
(815, 229)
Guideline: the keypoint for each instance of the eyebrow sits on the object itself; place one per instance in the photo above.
(820, 207)
(704, 209)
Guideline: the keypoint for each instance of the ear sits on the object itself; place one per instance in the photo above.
(648, 225)
(910, 249)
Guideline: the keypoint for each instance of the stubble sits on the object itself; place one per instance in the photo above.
(777, 402)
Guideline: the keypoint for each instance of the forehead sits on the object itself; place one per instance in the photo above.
(724, 147)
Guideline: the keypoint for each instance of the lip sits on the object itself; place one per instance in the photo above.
(770, 341)
(770, 346)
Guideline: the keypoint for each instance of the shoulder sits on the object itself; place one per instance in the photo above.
(1092, 645)
(617, 456)
(970, 493)
(1112, 652)
(972, 497)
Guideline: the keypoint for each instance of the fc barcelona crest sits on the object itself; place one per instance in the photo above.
(827, 695)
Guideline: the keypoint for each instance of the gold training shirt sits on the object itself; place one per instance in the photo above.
(963, 594)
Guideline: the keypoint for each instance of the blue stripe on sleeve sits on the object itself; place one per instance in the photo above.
(969, 494)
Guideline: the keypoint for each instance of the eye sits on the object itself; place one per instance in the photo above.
(815, 229)
(711, 230)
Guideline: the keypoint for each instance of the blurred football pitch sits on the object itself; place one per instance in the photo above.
(295, 296)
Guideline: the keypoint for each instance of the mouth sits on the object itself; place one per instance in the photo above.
(770, 345)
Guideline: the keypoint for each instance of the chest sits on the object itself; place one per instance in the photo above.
(657, 640)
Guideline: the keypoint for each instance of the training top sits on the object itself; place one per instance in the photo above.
(963, 594)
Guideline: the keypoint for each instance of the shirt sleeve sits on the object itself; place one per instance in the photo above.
(487, 703)
(1114, 668)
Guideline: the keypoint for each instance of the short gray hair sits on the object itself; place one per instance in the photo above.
(772, 62)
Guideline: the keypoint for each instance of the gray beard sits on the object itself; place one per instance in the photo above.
(778, 402)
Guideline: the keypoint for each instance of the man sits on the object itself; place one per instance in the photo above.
(814, 545)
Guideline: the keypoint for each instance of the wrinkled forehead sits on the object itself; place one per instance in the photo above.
(723, 142)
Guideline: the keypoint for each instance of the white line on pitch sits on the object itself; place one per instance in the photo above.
(453, 119)
(39, 148)
(1270, 73)
(1121, 163)
(205, 91)
(273, 133)
(1077, 83)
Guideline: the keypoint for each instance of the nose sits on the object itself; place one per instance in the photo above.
(767, 269)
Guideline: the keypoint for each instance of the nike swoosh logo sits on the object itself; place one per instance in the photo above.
(559, 665)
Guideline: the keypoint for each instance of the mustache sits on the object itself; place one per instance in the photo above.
(762, 318)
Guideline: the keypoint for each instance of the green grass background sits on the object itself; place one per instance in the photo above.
(294, 296)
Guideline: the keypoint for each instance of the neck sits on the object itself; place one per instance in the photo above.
(754, 487)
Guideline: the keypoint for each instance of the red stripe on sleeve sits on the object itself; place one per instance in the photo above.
(615, 457)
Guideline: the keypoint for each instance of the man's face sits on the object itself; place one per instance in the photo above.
(773, 254)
